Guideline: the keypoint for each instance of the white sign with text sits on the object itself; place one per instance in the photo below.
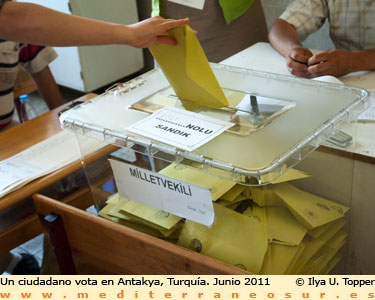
(176, 197)
(199, 4)
(180, 128)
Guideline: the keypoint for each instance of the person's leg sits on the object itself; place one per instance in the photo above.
(18, 264)
(47, 88)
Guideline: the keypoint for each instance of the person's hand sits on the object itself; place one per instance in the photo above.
(330, 62)
(296, 61)
(153, 31)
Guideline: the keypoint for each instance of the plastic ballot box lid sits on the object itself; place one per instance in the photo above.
(277, 120)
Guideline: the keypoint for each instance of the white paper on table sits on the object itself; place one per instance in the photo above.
(329, 79)
(43, 158)
(369, 113)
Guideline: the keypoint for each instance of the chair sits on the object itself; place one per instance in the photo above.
(115, 248)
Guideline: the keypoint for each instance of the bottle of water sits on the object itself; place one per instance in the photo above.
(26, 111)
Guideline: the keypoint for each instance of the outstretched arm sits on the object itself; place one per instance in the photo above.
(31, 23)
(284, 38)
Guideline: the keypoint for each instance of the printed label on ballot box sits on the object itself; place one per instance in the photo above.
(180, 128)
(176, 197)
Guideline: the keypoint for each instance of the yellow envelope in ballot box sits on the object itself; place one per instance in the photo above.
(312, 245)
(187, 69)
(279, 257)
(233, 238)
(107, 212)
(320, 260)
(310, 210)
(135, 211)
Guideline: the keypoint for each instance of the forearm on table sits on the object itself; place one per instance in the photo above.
(31, 23)
(362, 60)
(283, 37)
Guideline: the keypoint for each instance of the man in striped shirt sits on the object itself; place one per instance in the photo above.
(352, 30)
(34, 59)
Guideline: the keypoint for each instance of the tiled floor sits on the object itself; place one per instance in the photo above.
(35, 246)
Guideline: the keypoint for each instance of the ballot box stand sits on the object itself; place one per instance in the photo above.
(322, 217)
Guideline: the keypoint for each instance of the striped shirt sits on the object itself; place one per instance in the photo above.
(31, 57)
(352, 23)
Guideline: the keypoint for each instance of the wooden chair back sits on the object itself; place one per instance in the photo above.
(115, 248)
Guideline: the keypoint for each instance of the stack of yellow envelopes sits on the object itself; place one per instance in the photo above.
(303, 229)
(304, 232)
(276, 229)
(141, 217)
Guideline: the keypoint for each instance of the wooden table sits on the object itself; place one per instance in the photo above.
(17, 139)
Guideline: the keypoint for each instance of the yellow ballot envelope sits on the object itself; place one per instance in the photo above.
(105, 212)
(282, 227)
(319, 261)
(147, 215)
(186, 67)
(312, 245)
(332, 263)
(233, 238)
(310, 210)
(264, 196)
(278, 258)
(289, 175)
(233, 193)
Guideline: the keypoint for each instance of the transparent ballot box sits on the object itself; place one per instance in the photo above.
(267, 199)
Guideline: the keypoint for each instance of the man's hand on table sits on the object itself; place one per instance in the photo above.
(330, 62)
(335, 62)
(297, 61)
(302, 63)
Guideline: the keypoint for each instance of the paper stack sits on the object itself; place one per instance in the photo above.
(142, 217)
(304, 231)
(43, 158)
